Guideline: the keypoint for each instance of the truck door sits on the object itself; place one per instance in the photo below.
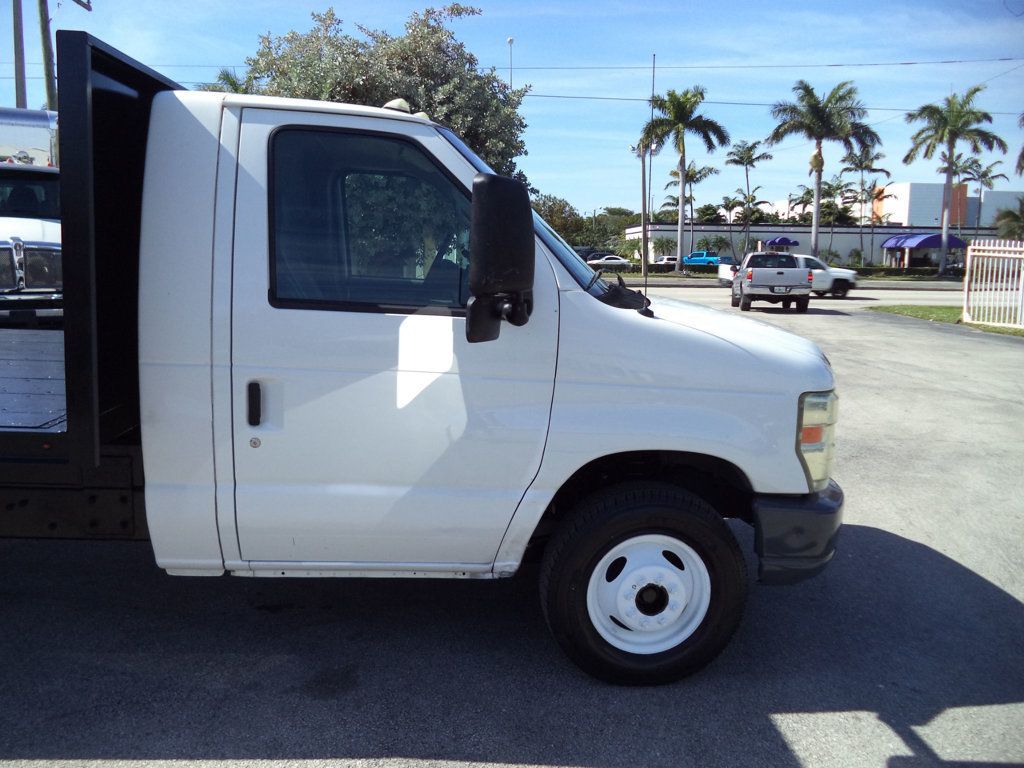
(366, 429)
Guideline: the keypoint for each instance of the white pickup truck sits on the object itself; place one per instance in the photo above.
(777, 278)
(835, 280)
(311, 339)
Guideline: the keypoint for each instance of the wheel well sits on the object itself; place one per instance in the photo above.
(721, 484)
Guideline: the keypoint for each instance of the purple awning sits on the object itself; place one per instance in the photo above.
(922, 241)
(782, 241)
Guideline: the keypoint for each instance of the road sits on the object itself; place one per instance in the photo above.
(906, 651)
(860, 299)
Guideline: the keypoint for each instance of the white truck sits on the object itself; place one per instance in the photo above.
(773, 277)
(28, 137)
(30, 242)
(311, 339)
(834, 280)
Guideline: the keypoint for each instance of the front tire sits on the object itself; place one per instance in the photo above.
(643, 584)
(840, 288)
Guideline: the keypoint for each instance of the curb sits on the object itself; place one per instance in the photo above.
(867, 285)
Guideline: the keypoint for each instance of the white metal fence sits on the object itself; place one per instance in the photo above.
(994, 283)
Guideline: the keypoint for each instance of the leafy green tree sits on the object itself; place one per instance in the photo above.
(677, 115)
(1010, 222)
(709, 214)
(745, 154)
(562, 217)
(426, 66)
(956, 120)
(839, 117)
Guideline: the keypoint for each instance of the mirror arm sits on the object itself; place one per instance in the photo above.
(515, 308)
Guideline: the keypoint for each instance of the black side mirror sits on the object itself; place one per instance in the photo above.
(501, 244)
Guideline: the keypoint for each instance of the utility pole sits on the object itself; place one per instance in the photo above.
(20, 101)
(44, 31)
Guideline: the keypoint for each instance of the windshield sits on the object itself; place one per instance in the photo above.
(30, 196)
(463, 150)
(572, 261)
(562, 251)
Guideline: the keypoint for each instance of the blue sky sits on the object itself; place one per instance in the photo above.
(746, 54)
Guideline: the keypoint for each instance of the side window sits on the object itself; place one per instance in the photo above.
(364, 222)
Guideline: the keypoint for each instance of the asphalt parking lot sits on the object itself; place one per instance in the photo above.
(906, 651)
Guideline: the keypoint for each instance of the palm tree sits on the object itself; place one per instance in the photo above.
(986, 178)
(730, 204)
(1020, 157)
(805, 199)
(956, 120)
(745, 154)
(227, 82)
(694, 176)
(677, 116)
(878, 195)
(1011, 222)
(840, 194)
(863, 161)
(719, 243)
(961, 170)
(838, 117)
(750, 205)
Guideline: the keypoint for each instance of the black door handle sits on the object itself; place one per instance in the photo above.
(255, 397)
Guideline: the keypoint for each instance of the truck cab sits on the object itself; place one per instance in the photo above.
(365, 356)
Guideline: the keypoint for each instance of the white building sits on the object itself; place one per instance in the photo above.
(994, 201)
(916, 204)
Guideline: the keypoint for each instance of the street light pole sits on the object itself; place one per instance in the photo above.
(641, 150)
(510, 41)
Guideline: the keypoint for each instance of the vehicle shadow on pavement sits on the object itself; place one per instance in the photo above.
(812, 310)
(106, 658)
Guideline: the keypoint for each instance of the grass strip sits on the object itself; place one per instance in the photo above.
(944, 315)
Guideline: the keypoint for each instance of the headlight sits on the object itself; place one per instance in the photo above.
(815, 437)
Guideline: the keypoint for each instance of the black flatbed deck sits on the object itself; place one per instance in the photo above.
(32, 395)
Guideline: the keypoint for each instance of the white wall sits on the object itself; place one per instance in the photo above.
(844, 239)
(993, 201)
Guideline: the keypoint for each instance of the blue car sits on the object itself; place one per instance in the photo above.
(701, 257)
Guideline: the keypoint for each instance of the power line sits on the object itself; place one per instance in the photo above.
(785, 66)
(836, 65)
(722, 103)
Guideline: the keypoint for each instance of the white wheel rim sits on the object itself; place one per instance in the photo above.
(639, 598)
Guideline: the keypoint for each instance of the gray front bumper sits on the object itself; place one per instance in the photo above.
(795, 536)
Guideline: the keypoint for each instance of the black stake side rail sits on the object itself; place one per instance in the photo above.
(87, 481)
